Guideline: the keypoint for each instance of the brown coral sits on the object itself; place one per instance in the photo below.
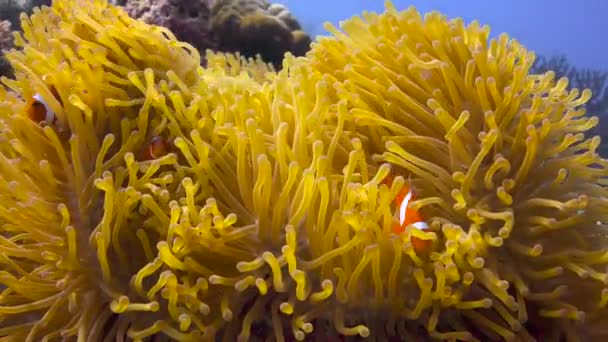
(188, 20)
(6, 35)
(257, 27)
(6, 42)
(250, 27)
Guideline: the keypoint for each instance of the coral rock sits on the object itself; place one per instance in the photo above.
(258, 27)
(6, 35)
(6, 42)
(188, 20)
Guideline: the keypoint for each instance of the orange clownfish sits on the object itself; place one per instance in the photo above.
(156, 148)
(408, 216)
(38, 110)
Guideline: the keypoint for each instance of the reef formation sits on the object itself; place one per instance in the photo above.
(246, 27)
(253, 27)
(145, 195)
(6, 42)
(249, 27)
(9, 20)
(189, 21)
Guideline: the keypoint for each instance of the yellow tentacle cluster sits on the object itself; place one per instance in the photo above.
(269, 215)
(514, 188)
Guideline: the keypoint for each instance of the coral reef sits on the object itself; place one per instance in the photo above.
(6, 42)
(188, 20)
(250, 27)
(6, 35)
(9, 17)
(257, 27)
(159, 198)
(11, 9)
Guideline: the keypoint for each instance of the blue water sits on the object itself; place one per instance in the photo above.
(575, 28)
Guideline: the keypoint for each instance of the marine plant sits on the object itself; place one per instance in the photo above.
(157, 197)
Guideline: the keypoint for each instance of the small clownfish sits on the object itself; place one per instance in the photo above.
(408, 216)
(38, 110)
(156, 148)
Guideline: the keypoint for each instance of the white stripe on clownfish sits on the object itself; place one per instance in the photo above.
(50, 114)
(403, 209)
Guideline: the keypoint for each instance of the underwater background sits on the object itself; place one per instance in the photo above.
(567, 37)
(239, 170)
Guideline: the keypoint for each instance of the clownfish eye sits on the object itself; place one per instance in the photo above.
(38, 110)
(157, 148)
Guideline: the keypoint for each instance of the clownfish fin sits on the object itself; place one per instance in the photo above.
(421, 225)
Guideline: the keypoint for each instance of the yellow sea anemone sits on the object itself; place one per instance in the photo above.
(512, 186)
(163, 199)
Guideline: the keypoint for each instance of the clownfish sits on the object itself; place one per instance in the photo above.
(38, 110)
(408, 216)
(156, 148)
